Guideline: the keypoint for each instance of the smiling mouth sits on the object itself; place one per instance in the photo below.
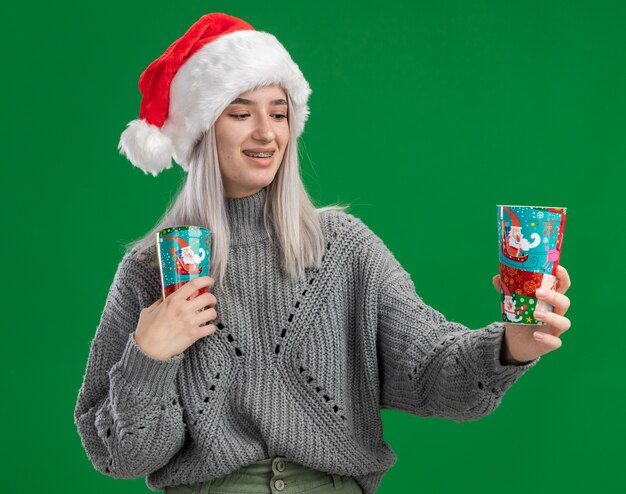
(267, 154)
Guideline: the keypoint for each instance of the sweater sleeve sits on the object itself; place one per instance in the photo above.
(127, 413)
(432, 367)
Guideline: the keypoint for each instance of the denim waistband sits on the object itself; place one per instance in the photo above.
(276, 475)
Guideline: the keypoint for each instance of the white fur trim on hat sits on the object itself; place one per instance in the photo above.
(146, 147)
(218, 73)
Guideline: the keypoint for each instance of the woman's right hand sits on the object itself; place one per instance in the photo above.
(168, 327)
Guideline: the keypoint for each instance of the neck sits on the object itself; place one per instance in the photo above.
(245, 218)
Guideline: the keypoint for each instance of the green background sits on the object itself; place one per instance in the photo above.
(425, 115)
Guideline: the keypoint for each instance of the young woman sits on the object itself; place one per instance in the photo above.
(312, 327)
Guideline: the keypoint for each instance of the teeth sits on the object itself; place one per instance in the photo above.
(258, 155)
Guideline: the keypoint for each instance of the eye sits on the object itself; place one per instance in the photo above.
(279, 116)
(238, 116)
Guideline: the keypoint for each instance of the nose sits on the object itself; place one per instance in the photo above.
(263, 131)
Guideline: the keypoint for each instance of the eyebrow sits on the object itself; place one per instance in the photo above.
(242, 101)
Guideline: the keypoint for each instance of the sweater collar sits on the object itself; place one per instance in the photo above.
(245, 218)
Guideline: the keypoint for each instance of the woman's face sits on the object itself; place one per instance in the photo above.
(252, 134)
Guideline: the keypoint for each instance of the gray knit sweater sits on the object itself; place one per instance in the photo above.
(295, 369)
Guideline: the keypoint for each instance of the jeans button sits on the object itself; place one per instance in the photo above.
(280, 466)
(279, 484)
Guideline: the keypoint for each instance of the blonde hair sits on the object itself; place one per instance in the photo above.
(288, 209)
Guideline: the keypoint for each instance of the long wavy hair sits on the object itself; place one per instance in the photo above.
(288, 210)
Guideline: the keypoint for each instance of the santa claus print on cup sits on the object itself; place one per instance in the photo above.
(184, 253)
(518, 294)
(529, 240)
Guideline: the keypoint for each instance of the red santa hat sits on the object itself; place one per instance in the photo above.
(181, 241)
(188, 87)
(514, 219)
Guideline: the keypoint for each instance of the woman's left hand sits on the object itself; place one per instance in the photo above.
(522, 342)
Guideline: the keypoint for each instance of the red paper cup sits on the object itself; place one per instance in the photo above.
(184, 254)
(518, 294)
(529, 246)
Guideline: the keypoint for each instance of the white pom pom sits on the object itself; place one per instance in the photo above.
(146, 147)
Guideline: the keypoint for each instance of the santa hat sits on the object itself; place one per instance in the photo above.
(188, 87)
(514, 219)
(181, 241)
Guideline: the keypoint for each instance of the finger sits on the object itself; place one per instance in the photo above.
(496, 282)
(557, 300)
(205, 316)
(202, 331)
(193, 295)
(547, 341)
(201, 301)
(563, 280)
(558, 323)
(188, 289)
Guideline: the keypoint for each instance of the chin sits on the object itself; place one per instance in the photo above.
(263, 182)
(254, 188)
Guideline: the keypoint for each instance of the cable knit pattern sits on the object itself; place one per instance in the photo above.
(295, 369)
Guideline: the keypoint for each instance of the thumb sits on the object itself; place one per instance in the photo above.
(496, 282)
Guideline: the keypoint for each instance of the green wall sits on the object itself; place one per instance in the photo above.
(425, 115)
